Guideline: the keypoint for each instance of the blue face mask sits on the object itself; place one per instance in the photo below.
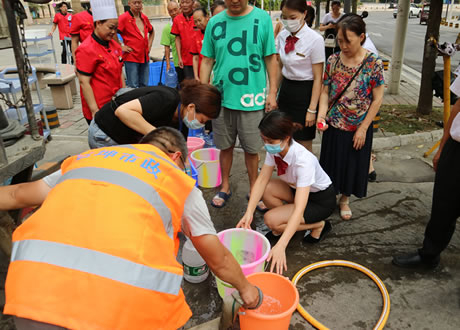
(192, 124)
(274, 148)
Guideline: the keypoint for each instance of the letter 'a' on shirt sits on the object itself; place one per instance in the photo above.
(239, 45)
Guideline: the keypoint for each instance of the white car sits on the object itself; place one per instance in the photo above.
(414, 11)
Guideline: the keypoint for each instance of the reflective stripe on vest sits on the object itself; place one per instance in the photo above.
(97, 263)
(129, 182)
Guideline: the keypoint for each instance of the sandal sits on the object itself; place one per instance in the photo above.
(222, 195)
(345, 214)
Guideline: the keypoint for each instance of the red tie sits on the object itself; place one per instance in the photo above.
(290, 44)
(281, 165)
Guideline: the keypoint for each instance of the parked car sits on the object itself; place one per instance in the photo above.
(413, 11)
(425, 13)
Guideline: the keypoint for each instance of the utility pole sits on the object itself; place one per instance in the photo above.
(397, 56)
(347, 6)
(447, 10)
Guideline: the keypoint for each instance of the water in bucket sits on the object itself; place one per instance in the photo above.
(269, 306)
(280, 301)
(249, 248)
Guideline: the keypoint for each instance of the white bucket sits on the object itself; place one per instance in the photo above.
(208, 167)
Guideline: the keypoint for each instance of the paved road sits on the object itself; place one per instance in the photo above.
(381, 27)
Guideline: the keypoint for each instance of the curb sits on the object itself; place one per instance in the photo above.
(76, 138)
(404, 140)
(389, 142)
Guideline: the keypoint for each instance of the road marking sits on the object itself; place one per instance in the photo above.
(376, 34)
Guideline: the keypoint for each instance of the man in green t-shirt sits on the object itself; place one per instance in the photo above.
(239, 47)
(168, 40)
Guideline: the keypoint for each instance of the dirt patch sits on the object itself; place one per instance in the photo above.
(403, 119)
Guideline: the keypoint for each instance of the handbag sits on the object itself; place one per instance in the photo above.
(349, 82)
(330, 41)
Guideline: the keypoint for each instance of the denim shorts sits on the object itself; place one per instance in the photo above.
(97, 138)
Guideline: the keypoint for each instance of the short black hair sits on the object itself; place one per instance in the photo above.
(353, 23)
(203, 10)
(167, 139)
(277, 125)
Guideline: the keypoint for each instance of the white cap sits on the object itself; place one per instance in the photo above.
(103, 9)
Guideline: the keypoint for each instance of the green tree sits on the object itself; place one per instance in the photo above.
(425, 100)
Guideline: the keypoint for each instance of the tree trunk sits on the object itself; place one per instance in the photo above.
(354, 6)
(76, 6)
(425, 100)
(328, 4)
(318, 12)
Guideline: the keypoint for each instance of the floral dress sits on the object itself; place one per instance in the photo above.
(351, 109)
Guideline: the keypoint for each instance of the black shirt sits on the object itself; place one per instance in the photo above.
(158, 103)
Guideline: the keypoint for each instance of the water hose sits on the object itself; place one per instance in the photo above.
(343, 263)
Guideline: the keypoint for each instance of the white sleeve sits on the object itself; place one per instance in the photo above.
(196, 220)
(277, 43)
(318, 54)
(305, 175)
(269, 159)
(455, 87)
(325, 19)
(52, 179)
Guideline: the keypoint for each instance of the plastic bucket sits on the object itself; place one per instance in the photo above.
(207, 164)
(194, 143)
(249, 248)
(194, 172)
(280, 301)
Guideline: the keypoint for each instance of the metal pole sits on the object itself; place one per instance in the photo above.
(397, 56)
(446, 88)
(3, 159)
(23, 78)
(447, 9)
(347, 6)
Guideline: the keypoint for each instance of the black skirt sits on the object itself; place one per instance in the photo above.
(347, 167)
(294, 99)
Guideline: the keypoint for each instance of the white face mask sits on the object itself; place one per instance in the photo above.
(292, 25)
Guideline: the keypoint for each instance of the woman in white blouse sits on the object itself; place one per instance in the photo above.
(300, 199)
(301, 58)
(329, 27)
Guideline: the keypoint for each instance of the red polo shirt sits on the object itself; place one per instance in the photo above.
(63, 23)
(133, 38)
(183, 27)
(198, 37)
(102, 61)
(82, 25)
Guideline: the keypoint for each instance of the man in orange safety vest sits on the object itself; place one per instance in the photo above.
(100, 253)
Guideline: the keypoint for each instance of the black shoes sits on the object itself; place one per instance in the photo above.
(372, 176)
(273, 239)
(414, 260)
(326, 229)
